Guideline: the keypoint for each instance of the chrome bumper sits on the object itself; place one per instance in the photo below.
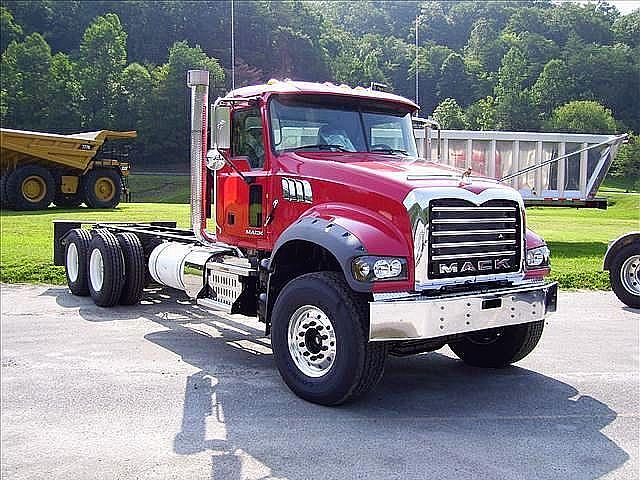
(417, 317)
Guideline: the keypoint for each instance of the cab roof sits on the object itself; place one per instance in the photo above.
(295, 87)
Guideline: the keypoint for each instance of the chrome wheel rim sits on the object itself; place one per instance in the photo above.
(630, 274)
(96, 270)
(312, 341)
(72, 262)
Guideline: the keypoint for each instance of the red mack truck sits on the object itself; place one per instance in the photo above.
(313, 212)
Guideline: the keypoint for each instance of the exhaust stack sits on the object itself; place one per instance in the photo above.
(198, 82)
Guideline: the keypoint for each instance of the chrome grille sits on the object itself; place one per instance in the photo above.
(468, 240)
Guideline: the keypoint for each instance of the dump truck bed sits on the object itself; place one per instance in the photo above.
(72, 151)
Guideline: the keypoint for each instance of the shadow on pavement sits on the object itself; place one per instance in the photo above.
(430, 417)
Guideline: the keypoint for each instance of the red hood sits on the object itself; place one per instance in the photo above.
(379, 172)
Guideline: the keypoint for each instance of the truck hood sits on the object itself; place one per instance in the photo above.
(381, 173)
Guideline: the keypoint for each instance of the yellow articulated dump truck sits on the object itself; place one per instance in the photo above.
(43, 168)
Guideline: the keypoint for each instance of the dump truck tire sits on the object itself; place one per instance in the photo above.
(30, 187)
(102, 188)
(498, 347)
(4, 199)
(135, 269)
(105, 269)
(75, 264)
(66, 200)
(320, 340)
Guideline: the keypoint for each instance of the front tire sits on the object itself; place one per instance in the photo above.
(320, 339)
(624, 275)
(498, 347)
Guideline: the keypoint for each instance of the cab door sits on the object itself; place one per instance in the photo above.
(241, 218)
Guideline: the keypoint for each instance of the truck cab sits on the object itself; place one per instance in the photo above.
(312, 210)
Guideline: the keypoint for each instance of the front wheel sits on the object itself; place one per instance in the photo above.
(102, 188)
(320, 340)
(625, 275)
(498, 347)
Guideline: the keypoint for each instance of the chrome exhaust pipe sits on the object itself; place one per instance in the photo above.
(198, 82)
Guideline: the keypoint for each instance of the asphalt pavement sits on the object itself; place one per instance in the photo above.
(170, 390)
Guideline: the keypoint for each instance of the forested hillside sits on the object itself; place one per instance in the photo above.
(71, 65)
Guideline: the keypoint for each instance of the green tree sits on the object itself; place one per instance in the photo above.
(25, 79)
(554, 86)
(627, 161)
(103, 56)
(582, 116)
(9, 30)
(136, 89)
(164, 129)
(450, 115)
(454, 80)
(514, 108)
(626, 29)
(481, 115)
(64, 96)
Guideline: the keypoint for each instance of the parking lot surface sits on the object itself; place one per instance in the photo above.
(171, 390)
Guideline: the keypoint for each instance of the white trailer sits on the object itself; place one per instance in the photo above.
(548, 169)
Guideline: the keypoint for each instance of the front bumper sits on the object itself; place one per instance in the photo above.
(415, 317)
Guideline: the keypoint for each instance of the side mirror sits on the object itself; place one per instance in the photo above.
(221, 128)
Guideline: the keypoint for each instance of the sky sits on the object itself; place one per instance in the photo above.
(624, 6)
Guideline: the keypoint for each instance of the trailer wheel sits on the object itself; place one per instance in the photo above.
(102, 188)
(624, 274)
(134, 268)
(105, 269)
(320, 340)
(76, 255)
(67, 200)
(498, 347)
(30, 187)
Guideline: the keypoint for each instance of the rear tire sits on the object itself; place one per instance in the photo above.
(105, 269)
(75, 264)
(498, 347)
(30, 187)
(134, 268)
(320, 339)
(102, 188)
(624, 275)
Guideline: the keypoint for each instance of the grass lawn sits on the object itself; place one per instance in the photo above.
(26, 240)
(154, 188)
(578, 238)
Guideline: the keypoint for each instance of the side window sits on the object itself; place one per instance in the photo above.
(247, 136)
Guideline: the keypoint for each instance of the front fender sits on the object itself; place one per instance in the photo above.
(616, 245)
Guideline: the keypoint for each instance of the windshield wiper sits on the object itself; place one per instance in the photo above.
(322, 146)
(390, 150)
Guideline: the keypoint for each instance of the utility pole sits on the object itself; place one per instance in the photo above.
(416, 65)
(233, 52)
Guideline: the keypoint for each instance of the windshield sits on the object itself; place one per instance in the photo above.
(306, 124)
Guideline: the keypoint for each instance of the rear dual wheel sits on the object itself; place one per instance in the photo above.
(108, 267)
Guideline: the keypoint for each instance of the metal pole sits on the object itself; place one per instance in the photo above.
(416, 66)
(233, 51)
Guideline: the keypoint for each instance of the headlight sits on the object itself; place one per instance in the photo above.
(538, 257)
(375, 269)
